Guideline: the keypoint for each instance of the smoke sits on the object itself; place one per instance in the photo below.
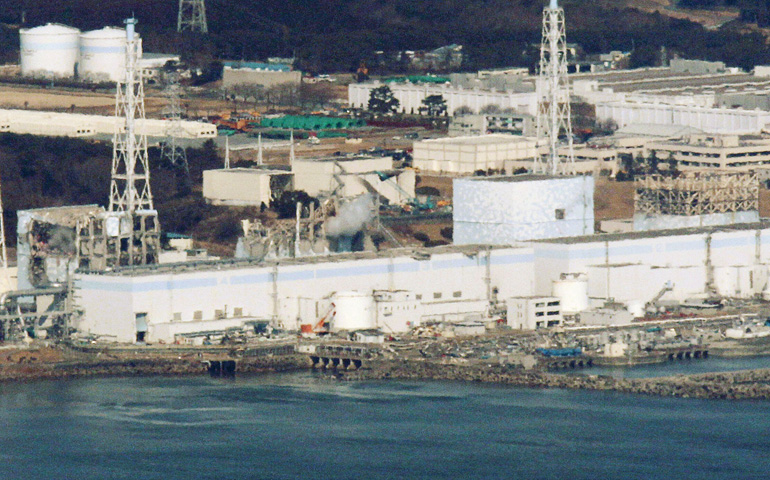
(60, 238)
(351, 217)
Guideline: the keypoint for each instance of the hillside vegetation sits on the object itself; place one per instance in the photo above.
(336, 35)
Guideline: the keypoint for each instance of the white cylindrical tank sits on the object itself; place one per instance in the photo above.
(572, 291)
(354, 311)
(103, 55)
(49, 51)
(636, 307)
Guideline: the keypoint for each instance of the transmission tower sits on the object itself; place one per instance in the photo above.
(173, 113)
(553, 95)
(4, 259)
(138, 238)
(192, 16)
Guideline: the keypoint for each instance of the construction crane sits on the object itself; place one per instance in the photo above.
(652, 305)
(320, 327)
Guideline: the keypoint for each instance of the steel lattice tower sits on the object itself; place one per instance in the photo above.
(138, 238)
(192, 16)
(553, 95)
(173, 113)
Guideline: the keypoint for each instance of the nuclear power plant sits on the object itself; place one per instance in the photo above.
(525, 251)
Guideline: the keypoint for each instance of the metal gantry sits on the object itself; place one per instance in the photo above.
(137, 231)
(697, 194)
(553, 96)
(192, 16)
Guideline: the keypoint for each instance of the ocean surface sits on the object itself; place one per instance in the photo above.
(300, 426)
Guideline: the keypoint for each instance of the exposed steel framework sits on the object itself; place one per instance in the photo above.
(553, 96)
(192, 16)
(697, 194)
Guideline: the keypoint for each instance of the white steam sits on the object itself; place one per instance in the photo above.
(351, 217)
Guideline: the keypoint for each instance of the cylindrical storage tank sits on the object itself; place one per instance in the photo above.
(572, 290)
(103, 55)
(49, 51)
(636, 308)
(354, 311)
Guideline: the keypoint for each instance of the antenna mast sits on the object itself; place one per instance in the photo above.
(553, 95)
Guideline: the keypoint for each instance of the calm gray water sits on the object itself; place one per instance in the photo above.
(677, 367)
(299, 426)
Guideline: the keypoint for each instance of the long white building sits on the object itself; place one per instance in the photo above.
(448, 283)
(410, 97)
(80, 125)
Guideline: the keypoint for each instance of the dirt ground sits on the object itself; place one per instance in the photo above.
(98, 103)
(613, 200)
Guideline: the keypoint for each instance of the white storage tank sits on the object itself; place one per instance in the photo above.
(103, 55)
(354, 311)
(49, 51)
(572, 291)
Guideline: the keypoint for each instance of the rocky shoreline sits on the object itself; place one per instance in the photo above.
(52, 364)
(741, 385)
(28, 368)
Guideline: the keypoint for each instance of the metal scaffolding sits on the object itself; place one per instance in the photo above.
(553, 96)
(192, 16)
(697, 194)
(170, 149)
(135, 230)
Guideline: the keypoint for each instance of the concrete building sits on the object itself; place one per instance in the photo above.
(707, 152)
(709, 119)
(80, 125)
(505, 123)
(681, 65)
(353, 176)
(449, 284)
(410, 97)
(243, 186)
(255, 73)
(532, 312)
(466, 155)
(504, 210)
(729, 260)
(162, 302)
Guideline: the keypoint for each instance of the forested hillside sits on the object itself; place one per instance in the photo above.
(42, 172)
(336, 35)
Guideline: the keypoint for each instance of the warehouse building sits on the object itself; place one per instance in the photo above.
(411, 96)
(80, 125)
(256, 73)
(469, 154)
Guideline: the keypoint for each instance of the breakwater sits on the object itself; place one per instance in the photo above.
(63, 364)
(751, 384)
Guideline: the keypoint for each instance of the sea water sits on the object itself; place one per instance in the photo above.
(302, 426)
